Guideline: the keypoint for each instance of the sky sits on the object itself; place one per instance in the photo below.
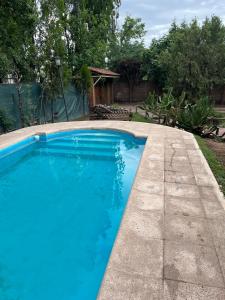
(159, 14)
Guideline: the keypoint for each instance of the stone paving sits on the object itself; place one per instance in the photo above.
(171, 243)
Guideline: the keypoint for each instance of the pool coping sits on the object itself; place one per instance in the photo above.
(145, 262)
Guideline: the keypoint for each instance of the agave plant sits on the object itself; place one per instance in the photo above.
(197, 117)
(165, 108)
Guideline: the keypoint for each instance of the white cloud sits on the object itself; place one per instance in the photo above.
(159, 14)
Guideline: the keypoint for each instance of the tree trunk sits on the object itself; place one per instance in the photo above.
(52, 110)
(20, 101)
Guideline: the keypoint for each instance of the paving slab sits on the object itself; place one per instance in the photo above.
(192, 263)
(175, 290)
(173, 228)
(187, 229)
(146, 202)
(131, 286)
(184, 206)
(136, 255)
(180, 177)
(145, 224)
(181, 190)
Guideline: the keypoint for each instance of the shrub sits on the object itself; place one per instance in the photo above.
(5, 122)
(197, 117)
(165, 108)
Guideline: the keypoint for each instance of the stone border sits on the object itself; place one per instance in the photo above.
(171, 242)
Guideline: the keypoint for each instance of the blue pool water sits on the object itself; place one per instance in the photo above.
(61, 203)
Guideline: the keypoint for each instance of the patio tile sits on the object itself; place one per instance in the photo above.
(192, 263)
(195, 159)
(204, 180)
(147, 202)
(130, 286)
(135, 255)
(175, 146)
(184, 168)
(207, 192)
(154, 153)
(178, 177)
(181, 190)
(183, 206)
(199, 169)
(187, 229)
(195, 152)
(175, 153)
(192, 146)
(155, 165)
(220, 249)
(217, 227)
(213, 208)
(151, 187)
(151, 174)
(175, 290)
(145, 224)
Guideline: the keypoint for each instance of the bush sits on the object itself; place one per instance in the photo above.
(5, 122)
(165, 108)
(197, 117)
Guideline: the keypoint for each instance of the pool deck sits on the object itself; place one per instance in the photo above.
(171, 243)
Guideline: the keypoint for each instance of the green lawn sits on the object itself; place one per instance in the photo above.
(136, 117)
(216, 166)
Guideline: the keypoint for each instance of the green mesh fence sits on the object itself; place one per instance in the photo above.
(37, 111)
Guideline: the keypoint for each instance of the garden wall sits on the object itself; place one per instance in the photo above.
(37, 112)
(139, 94)
(142, 89)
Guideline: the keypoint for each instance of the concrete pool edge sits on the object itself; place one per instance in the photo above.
(141, 265)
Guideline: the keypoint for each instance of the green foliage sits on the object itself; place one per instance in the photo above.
(196, 117)
(165, 108)
(190, 58)
(17, 30)
(127, 43)
(85, 78)
(5, 122)
(178, 112)
(136, 117)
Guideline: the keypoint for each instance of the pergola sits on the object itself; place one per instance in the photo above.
(102, 90)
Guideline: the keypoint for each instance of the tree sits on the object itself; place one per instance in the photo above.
(190, 58)
(127, 43)
(85, 82)
(126, 52)
(17, 47)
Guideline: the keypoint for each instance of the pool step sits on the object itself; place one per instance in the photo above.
(98, 135)
(78, 154)
(79, 148)
(81, 140)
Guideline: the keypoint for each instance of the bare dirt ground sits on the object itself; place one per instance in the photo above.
(218, 148)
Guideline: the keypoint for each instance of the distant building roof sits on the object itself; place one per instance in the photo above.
(104, 72)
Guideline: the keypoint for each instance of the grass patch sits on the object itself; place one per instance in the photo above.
(136, 117)
(216, 166)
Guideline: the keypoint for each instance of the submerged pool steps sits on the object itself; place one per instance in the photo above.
(82, 147)
(76, 154)
(81, 140)
(79, 148)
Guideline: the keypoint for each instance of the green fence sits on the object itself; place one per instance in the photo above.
(37, 111)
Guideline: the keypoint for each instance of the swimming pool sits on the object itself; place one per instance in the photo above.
(62, 197)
